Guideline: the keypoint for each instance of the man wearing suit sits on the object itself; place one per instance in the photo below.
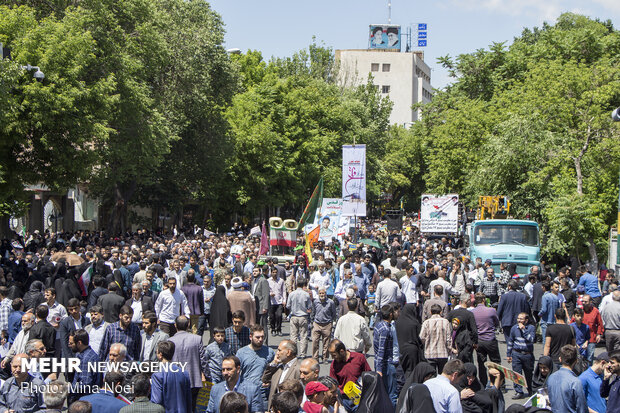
(141, 304)
(189, 348)
(261, 292)
(285, 366)
(99, 290)
(510, 306)
(111, 303)
(151, 337)
(68, 325)
(171, 389)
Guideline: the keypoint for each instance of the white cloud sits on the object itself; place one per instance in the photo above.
(612, 5)
(546, 10)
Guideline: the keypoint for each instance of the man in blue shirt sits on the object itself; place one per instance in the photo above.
(105, 400)
(591, 379)
(550, 303)
(520, 350)
(590, 283)
(171, 389)
(383, 342)
(565, 389)
(255, 356)
(231, 372)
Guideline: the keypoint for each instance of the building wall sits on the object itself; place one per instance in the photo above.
(402, 76)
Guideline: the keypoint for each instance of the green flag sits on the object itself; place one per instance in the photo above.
(313, 204)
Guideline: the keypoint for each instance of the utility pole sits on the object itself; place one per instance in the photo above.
(615, 116)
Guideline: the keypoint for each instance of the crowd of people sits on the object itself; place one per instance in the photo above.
(211, 303)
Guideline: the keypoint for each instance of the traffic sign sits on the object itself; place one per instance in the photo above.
(421, 43)
(422, 35)
(421, 26)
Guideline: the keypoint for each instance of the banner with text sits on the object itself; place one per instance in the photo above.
(439, 213)
(354, 180)
(329, 218)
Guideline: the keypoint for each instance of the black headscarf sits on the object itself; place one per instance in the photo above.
(417, 376)
(408, 336)
(374, 397)
(538, 381)
(417, 399)
(480, 402)
(220, 309)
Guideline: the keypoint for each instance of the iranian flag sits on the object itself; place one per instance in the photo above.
(282, 237)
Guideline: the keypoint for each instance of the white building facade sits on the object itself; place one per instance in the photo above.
(404, 77)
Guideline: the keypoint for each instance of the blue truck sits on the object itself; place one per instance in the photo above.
(505, 240)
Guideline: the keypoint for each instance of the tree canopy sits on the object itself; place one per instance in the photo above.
(532, 121)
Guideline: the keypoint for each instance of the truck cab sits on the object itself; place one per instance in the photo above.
(505, 240)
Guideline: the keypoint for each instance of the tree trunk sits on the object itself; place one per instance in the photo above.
(118, 218)
(593, 256)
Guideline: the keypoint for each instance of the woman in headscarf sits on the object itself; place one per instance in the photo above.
(477, 400)
(374, 397)
(461, 340)
(34, 296)
(220, 310)
(422, 372)
(543, 370)
(408, 335)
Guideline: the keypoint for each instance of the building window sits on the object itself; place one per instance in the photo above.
(385, 89)
(386, 67)
(374, 67)
(376, 87)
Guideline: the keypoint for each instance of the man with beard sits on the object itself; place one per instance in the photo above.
(19, 345)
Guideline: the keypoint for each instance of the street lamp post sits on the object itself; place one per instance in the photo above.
(56, 217)
(39, 75)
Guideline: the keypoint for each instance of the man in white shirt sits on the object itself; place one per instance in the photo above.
(341, 288)
(57, 311)
(319, 279)
(96, 328)
(409, 285)
(170, 304)
(446, 398)
(352, 330)
(448, 290)
(388, 291)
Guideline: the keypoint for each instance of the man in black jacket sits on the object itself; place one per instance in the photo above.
(68, 325)
(111, 303)
(44, 331)
(99, 290)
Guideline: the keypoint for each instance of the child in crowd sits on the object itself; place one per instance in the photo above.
(582, 331)
(216, 352)
(370, 304)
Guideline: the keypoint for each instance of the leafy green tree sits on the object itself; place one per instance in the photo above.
(531, 121)
(49, 131)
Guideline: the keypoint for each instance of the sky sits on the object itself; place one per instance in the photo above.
(280, 28)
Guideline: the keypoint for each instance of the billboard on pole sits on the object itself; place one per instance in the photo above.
(439, 213)
(384, 36)
(354, 180)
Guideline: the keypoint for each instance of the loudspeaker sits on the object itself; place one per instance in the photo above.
(275, 222)
(394, 220)
(290, 224)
